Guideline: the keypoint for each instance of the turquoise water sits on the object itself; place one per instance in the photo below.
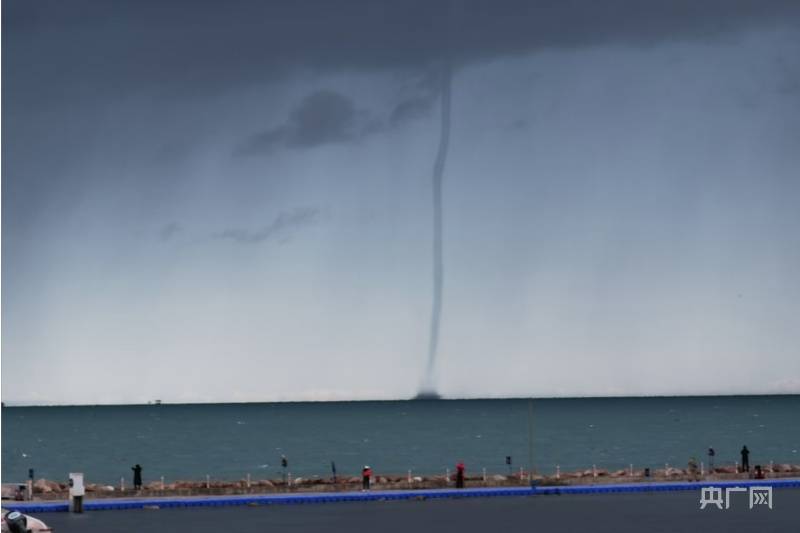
(228, 441)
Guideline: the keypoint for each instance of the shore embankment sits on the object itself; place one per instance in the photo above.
(48, 490)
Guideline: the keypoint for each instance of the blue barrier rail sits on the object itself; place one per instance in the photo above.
(383, 495)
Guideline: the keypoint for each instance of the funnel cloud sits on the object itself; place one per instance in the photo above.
(428, 388)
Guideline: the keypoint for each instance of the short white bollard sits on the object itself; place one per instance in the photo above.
(702, 469)
(162, 482)
(484, 475)
(630, 470)
(558, 472)
(447, 476)
(409, 477)
(248, 480)
(121, 483)
(594, 471)
(76, 492)
(208, 481)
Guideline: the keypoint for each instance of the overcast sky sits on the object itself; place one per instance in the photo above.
(231, 201)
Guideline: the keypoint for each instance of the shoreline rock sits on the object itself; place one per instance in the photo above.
(45, 489)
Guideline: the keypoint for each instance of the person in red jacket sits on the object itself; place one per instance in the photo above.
(460, 475)
(366, 474)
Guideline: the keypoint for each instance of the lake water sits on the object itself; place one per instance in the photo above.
(228, 441)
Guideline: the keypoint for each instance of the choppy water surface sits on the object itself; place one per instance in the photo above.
(227, 441)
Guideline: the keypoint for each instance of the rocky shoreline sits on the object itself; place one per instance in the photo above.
(44, 489)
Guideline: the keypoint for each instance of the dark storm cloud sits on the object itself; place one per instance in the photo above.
(85, 48)
(280, 227)
(323, 117)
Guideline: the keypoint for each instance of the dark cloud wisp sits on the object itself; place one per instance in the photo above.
(411, 108)
(327, 117)
(279, 228)
(323, 117)
(169, 231)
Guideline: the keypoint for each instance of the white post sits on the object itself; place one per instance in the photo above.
(409, 477)
(594, 471)
(162, 482)
(289, 478)
(121, 484)
(484, 475)
(666, 467)
(558, 471)
(736, 466)
(447, 476)
(248, 480)
(76, 492)
(771, 467)
(208, 481)
(702, 469)
(630, 470)
(520, 473)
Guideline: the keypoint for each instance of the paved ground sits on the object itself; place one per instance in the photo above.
(592, 513)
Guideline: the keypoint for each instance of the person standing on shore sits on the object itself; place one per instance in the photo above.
(460, 475)
(711, 454)
(693, 470)
(745, 459)
(366, 474)
(137, 477)
(284, 465)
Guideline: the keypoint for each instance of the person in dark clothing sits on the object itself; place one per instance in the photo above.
(745, 459)
(366, 474)
(137, 477)
(711, 454)
(460, 475)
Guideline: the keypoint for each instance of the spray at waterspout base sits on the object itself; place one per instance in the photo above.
(427, 391)
(427, 395)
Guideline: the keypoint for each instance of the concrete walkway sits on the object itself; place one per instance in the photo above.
(633, 512)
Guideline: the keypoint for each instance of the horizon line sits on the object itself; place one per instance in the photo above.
(159, 403)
